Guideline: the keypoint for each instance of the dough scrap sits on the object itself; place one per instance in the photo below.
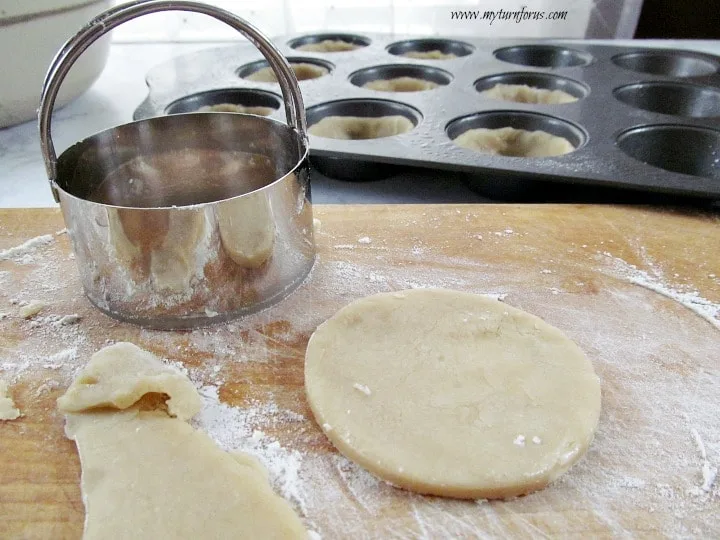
(303, 71)
(401, 84)
(522, 93)
(358, 127)
(237, 108)
(329, 45)
(31, 309)
(513, 142)
(120, 374)
(429, 55)
(148, 475)
(459, 388)
(247, 229)
(8, 411)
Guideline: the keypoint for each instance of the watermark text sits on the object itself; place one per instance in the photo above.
(523, 14)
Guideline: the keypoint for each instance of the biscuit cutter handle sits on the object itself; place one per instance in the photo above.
(113, 17)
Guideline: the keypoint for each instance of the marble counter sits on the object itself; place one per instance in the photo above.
(119, 90)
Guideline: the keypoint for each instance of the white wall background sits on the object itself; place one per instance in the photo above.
(586, 18)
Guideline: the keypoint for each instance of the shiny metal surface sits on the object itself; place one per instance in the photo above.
(671, 97)
(189, 219)
(543, 56)
(667, 62)
(678, 148)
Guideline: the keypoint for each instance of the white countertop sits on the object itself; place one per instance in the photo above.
(120, 89)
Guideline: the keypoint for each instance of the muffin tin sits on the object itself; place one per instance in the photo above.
(645, 119)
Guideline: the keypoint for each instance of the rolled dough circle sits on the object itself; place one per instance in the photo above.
(451, 394)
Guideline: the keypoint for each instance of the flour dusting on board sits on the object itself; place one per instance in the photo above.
(651, 470)
(239, 429)
(23, 254)
(691, 299)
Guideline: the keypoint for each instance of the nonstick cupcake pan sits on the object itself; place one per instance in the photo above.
(645, 119)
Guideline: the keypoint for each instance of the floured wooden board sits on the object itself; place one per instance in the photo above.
(639, 290)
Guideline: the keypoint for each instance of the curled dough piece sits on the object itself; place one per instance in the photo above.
(357, 127)
(119, 375)
(513, 142)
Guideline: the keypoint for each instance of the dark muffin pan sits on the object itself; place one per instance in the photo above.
(645, 119)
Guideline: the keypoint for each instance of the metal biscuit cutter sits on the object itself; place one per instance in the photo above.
(184, 220)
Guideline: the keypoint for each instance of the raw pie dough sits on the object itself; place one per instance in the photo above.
(513, 142)
(146, 473)
(31, 309)
(329, 45)
(8, 411)
(451, 394)
(430, 55)
(358, 127)
(237, 108)
(303, 71)
(522, 93)
(401, 84)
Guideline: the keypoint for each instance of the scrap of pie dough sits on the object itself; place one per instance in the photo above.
(429, 55)
(237, 108)
(329, 45)
(247, 229)
(358, 127)
(29, 310)
(451, 394)
(303, 71)
(513, 142)
(8, 411)
(147, 474)
(401, 84)
(119, 375)
(522, 93)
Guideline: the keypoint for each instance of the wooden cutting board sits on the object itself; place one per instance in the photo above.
(638, 289)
